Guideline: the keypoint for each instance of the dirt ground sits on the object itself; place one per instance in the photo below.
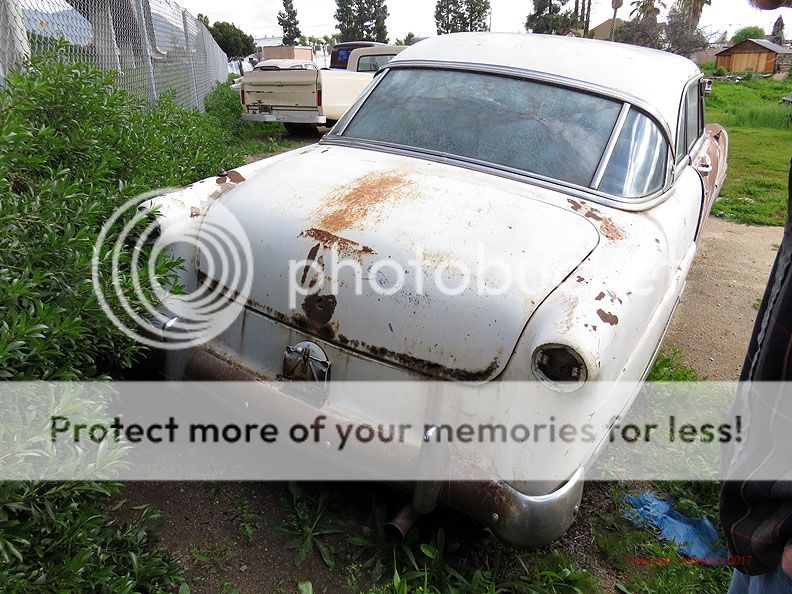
(201, 525)
(714, 320)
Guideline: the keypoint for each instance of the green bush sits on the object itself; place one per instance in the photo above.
(59, 538)
(720, 71)
(73, 148)
(707, 68)
(223, 103)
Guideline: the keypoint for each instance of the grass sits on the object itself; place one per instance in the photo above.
(622, 544)
(760, 146)
(671, 366)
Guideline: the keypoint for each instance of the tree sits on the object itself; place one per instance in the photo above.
(362, 20)
(752, 32)
(453, 16)
(683, 37)
(287, 19)
(693, 9)
(644, 32)
(232, 40)
(646, 9)
(203, 19)
(778, 31)
(548, 18)
(408, 39)
(448, 16)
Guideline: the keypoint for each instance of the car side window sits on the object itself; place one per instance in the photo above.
(373, 63)
(694, 125)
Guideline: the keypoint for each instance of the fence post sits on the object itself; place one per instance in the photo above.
(185, 25)
(14, 43)
(144, 40)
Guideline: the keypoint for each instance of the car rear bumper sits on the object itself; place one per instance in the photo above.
(519, 519)
(287, 117)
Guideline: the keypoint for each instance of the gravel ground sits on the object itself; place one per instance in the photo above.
(713, 322)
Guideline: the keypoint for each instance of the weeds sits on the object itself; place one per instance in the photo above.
(213, 559)
(246, 516)
(671, 366)
(309, 525)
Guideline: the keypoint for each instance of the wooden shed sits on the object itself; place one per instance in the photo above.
(758, 55)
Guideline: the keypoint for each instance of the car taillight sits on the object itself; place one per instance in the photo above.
(242, 96)
(318, 97)
(560, 367)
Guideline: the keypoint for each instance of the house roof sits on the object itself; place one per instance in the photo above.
(602, 31)
(768, 45)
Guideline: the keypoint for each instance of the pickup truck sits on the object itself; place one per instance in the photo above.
(304, 99)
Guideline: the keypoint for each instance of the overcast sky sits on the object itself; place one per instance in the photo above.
(259, 17)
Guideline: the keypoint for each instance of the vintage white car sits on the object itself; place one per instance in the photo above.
(586, 164)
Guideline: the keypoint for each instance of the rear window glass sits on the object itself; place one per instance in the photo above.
(534, 127)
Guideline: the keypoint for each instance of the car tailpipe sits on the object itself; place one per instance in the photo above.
(399, 526)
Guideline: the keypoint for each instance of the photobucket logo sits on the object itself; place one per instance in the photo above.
(387, 276)
(128, 259)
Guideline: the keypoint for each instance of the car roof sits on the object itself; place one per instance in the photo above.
(654, 77)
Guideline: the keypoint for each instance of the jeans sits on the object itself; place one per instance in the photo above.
(774, 582)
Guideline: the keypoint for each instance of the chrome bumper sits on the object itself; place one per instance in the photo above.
(287, 117)
(520, 520)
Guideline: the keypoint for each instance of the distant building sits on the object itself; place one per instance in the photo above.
(602, 31)
(758, 55)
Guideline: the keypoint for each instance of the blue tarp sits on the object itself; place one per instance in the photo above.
(695, 538)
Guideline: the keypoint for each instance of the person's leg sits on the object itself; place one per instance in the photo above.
(774, 582)
(739, 583)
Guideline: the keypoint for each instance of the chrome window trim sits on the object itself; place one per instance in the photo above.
(608, 152)
(585, 193)
(335, 135)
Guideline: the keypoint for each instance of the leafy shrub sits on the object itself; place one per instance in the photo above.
(223, 103)
(707, 68)
(74, 147)
(58, 538)
(720, 71)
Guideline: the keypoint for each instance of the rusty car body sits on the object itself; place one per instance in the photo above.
(588, 162)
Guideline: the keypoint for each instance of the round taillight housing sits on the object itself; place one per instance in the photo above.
(560, 367)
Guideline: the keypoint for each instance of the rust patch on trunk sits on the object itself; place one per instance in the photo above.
(580, 279)
(576, 206)
(230, 176)
(607, 317)
(343, 245)
(319, 309)
(607, 227)
(309, 260)
(600, 297)
(351, 204)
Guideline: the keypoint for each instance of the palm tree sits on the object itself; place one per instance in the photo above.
(646, 8)
(694, 8)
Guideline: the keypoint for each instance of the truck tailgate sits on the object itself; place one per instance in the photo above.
(280, 89)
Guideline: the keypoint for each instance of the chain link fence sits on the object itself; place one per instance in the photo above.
(155, 45)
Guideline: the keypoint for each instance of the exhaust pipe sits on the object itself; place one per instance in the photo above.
(399, 526)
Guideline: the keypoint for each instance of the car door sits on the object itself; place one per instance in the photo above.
(697, 148)
(704, 147)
